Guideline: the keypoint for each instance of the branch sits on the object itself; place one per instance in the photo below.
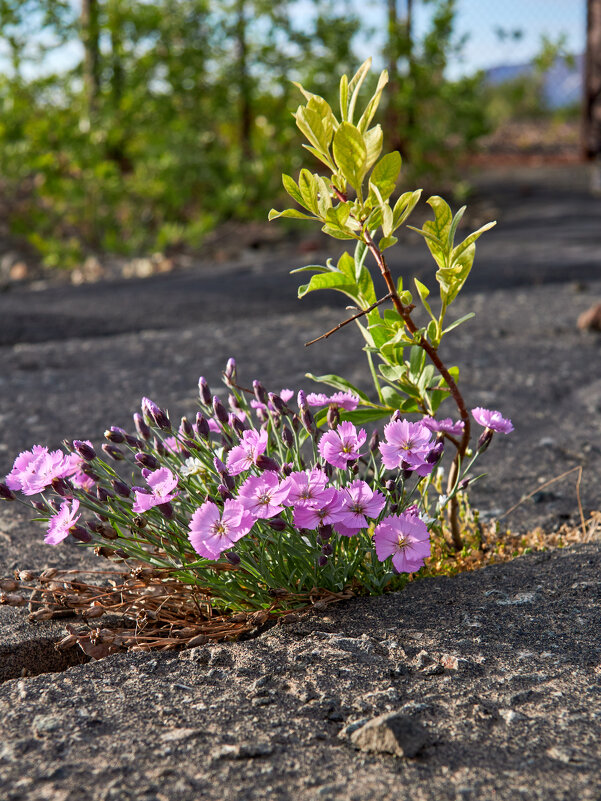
(350, 320)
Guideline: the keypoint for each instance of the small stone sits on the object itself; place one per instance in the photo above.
(177, 735)
(347, 730)
(510, 716)
(242, 751)
(432, 670)
(392, 733)
(519, 599)
(423, 659)
(44, 724)
(590, 320)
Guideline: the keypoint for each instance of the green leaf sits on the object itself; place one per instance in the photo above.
(404, 206)
(387, 220)
(361, 251)
(291, 187)
(387, 242)
(392, 372)
(454, 225)
(374, 139)
(361, 416)
(423, 293)
(328, 281)
(417, 360)
(355, 86)
(373, 104)
(386, 173)
(337, 233)
(321, 157)
(307, 185)
(468, 241)
(431, 332)
(346, 265)
(314, 268)
(350, 154)
(459, 321)
(337, 382)
(344, 97)
(391, 396)
(291, 214)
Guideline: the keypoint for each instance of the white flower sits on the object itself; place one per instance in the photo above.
(192, 467)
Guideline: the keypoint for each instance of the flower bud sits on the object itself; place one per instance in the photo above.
(301, 399)
(80, 533)
(238, 425)
(166, 509)
(141, 426)
(103, 494)
(232, 557)
(204, 391)
(84, 450)
(287, 437)
(287, 468)
(134, 443)
(406, 473)
(115, 434)
(267, 463)
(147, 460)
(87, 471)
(95, 528)
(55, 504)
(108, 533)
(260, 393)
(62, 487)
(396, 416)
(121, 488)
(39, 505)
(202, 427)
(278, 404)
(463, 484)
(485, 439)
(308, 421)
(323, 560)
(186, 428)
(220, 411)
(6, 494)
(296, 423)
(114, 452)
(327, 549)
(325, 532)
(140, 521)
(230, 371)
(224, 492)
(333, 416)
(435, 453)
(374, 442)
(219, 466)
(277, 523)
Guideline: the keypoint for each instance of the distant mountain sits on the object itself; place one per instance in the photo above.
(563, 83)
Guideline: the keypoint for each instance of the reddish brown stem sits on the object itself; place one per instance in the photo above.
(405, 313)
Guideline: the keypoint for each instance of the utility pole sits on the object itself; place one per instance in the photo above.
(591, 112)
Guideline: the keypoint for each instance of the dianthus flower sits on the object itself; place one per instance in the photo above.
(326, 512)
(359, 502)
(344, 400)
(341, 446)
(34, 470)
(245, 455)
(211, 533)
(161, 483)
(305, 487)
(445, 426)
(407, 445)
(406, 539)
(285, 395)
(59, 525)
(192, 467)
(262, 495)
(490, 418)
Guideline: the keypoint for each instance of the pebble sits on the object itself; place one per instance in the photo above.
(392, 733)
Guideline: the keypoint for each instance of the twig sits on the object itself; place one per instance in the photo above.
(350, 320)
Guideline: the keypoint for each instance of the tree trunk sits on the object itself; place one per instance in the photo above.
(393, 121)
(91, 63)
(244, 87)
(591, 117)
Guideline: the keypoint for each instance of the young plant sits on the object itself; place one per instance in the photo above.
(353, 201)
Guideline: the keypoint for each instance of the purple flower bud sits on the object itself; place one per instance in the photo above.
(230, 371)
(219, 466)
(232, 557)
(135, 443)
(39, 505)
(108, 533)
(186, 427)
(159, 447)
(87, 470)
(121, 488)
(62, 487)
(115, 434)
(80, 533)
(220, 410)
(166, 509)
(374, 441)
(390, 485)
(277, 523)
(202, 427)
(323, 560)
(84, 450)
(267, 463)
(327, 549)
(308, 421)
(406, 472)
(262, 415)
(6, 494)
(55, 504)
(325, 532)
(204, 391)
(260, 393)
(464, 483)
(396, 416)
(301, 399)
(485, 439)
(141, 426)
(103, 494)
(161, 418)
(147, 460)
(233, 402)
(224, 492)
(114, 452)
(287, 468)
(95, 527)
(435, 453)
(278, 404)
(238, 425)
(287, 437)
(394, 508)
(296, 423)
(333, 416)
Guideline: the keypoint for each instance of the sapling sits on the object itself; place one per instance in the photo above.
(272, 500)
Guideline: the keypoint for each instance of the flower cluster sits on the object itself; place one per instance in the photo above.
(256, 487)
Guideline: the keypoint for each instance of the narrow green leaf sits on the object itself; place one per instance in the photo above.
(291, 187)
(355, 86)
(314, 268)
(307, 185)
(344, 98)
(374, 140)
(459, 321)
(373, 104)
(387, 242)
(291, 214)
(404, 206)
(454, 225)
(417, 359)
(387, 220)
(468, 241)
(361, 251)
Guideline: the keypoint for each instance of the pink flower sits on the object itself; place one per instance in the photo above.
(305, 488)
(446, 425)
(82, 481)
(407, 445)
(161, 483)
(59, 525)
(342, 445)
(211, 533)
(245, 455)
(406, 539)
(345, 400)
(262, 495)
(359, 502)
(34, 470)
(493, 420)
(328, 511)
(285, 395)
